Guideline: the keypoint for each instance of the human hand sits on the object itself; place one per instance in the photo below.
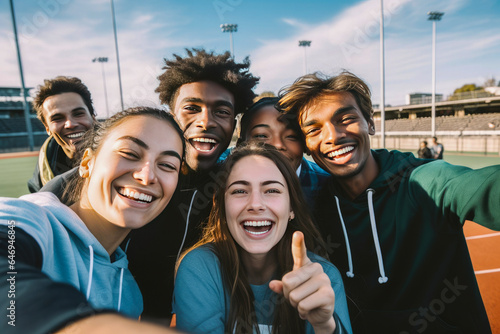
(308, 288)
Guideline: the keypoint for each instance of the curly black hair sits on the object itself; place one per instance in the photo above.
(201, 65)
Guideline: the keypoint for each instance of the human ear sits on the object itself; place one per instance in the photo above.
(292, 216)
(87, 163)
(47, 130)
(371, 126)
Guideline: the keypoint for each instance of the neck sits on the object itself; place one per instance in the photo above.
(109, 235)
(259, 267)
(357, 184)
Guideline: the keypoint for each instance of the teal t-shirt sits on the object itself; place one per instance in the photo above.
(202, 306)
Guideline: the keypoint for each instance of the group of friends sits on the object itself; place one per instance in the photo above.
(150, 215)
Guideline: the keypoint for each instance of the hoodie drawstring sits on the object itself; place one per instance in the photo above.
(91, 269)
(350, 273)
(187, 225)
(382, 279)
(120, 292)
(89, 284)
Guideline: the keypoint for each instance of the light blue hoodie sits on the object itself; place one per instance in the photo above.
(72, 254)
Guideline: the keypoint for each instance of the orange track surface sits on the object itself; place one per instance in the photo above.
(18, 154)
(485, 255)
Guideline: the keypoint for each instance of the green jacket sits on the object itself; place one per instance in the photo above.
(421, 280)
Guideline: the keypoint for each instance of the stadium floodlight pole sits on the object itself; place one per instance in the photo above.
(305, 44)
(230, 28)
(382, 75)
(103, 60)
(23, 87)
(117, 55)
(434, 16)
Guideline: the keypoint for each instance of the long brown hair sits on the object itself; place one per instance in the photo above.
(242, 316)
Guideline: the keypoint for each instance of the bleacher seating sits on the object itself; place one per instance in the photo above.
(16, 125)
(444, 123)
(484, 122)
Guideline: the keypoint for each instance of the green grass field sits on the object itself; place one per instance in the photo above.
(17, 171)
(15, 174)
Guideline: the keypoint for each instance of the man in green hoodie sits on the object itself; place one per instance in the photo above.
(395, 221)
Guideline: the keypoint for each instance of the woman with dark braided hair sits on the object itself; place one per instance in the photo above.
(251, 271)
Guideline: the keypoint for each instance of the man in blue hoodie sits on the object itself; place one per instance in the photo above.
(395, 220)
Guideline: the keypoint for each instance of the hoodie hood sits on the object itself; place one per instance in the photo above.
(72, 254)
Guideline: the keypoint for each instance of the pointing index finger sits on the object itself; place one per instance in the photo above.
(299, 251)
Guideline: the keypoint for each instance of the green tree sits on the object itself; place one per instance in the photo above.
(467, 88)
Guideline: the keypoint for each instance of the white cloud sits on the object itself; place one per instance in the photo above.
(350, 40)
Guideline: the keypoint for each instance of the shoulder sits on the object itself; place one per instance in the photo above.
(58, 183)
(200, 261)
(314, 168)
(30, 206)
(34, 214)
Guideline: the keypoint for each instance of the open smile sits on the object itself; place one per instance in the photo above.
(203, 144)
(135, 195)
(340, 154)
(76, 135)
(257, 227)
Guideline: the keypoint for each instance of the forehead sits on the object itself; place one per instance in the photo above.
(255, 169)
(207, 91)
(64, 102)
(326, 105)
(151, 130)
(265, 115)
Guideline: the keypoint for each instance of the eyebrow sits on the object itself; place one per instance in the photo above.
(246, 183)
(217, 103)
(145, 146)
(72, 110)
(340, 110)
(261, 125)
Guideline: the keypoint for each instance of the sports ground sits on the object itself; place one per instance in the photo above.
(483, 243)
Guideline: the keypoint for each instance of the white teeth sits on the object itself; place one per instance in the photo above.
(257, 223)
(341, 151)
(257, 233)
(76, 135)
(205, 140)
(136, 195)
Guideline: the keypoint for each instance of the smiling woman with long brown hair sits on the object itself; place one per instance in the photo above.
(65, 258)
(251, 272)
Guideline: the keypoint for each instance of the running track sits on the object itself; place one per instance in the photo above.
(484, 249)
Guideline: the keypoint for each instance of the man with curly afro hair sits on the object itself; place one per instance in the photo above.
(205, 92)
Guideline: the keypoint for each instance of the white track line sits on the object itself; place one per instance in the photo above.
(483, 236)
(488, 271)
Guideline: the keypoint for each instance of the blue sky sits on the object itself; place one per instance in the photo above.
(61, 37)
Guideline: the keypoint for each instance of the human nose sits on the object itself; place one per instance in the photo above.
(330, 133)
(145, 175)
(256, 202)
(70, 123)
(278, 143)
(205, 119)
